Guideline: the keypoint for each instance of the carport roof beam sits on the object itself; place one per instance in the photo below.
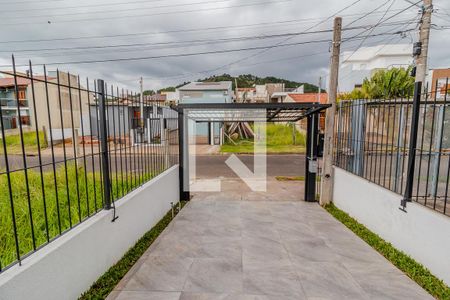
(241, 112)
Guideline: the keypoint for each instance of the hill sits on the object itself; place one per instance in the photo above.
(249, 80)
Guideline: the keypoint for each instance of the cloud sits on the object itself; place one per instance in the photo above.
(139, 17)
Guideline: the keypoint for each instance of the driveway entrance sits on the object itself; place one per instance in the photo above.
(261, 249)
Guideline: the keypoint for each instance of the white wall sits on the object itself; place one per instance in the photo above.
(67, 267)
(422, 233)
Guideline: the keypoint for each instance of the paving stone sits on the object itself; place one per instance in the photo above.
(139, 295)
(214, 275)
(328, 280)
(160, 273)
(261, 250)
(271, 278)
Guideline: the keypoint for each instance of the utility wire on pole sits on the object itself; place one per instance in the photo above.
(141, 106)
(421, 56)
(326, 194)
(319, 89)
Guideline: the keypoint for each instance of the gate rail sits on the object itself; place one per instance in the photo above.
(74, 155)
(372, 140)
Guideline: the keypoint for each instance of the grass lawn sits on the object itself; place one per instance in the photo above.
(279, 140)
(436, 287)
(14, 146)
(63, 206)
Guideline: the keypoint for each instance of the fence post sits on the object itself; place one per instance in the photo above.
(183, 148)
(412, 145)
(104, 144)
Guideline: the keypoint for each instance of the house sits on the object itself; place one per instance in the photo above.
(245, 94)
(322, 98)
(124, 121)
(207, 92)
(171, 97)
(357, 65)
(8, 103)
(437, 80)
(262, 93)
(63, 103)
(155, 99)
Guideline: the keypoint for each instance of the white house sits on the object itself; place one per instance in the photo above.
(207, 92)
(356, 66)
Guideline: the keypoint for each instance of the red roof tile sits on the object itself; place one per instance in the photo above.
(7, 82)
(309, 97)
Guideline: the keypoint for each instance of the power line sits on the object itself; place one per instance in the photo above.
(201, 41)
(25, 2)
(147, 15)
(390, 17)
(277, 44)
(127, 50)
(78, 6)
(186, 54)
(368, 13)
(183, 43)
(263, 24)
(371, 30)
(115, 10)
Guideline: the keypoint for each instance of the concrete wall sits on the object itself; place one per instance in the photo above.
(67, 267)
(422, 233)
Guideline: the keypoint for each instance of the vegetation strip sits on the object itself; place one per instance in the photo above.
(290, 178)
(436, 287)
(106, 283)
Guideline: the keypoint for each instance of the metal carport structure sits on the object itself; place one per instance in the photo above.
(240, 112)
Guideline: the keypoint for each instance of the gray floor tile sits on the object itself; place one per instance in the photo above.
(214, 275)
(379, 285)
(211, 296)
(261, 250)
(328, 280)
(271, 278)
(139, 295)
(160, 273)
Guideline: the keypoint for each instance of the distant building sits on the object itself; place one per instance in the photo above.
(438, 81)
(310, 98)
(356, 66)
(171, 97)
(262, 93)
(155, 99)
(68, 99)
(207, 92)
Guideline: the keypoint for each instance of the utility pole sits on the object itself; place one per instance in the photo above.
(141, 102)
(236, 89)
(326, 194)
(424, 39)
(421, 59)
(319, 89)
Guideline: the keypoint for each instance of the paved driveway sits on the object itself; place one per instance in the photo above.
(220, 247)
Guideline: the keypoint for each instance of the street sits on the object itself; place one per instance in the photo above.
(208, 166)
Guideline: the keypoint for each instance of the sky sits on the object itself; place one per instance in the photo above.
(64, 33)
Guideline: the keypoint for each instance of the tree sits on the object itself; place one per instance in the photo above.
(149, 92)
(167, 89)
(389, 84)
(384, 84)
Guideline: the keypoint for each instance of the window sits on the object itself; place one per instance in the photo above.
(22, 94)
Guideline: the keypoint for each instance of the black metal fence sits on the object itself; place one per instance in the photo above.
(372, 140)
(70, 148)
